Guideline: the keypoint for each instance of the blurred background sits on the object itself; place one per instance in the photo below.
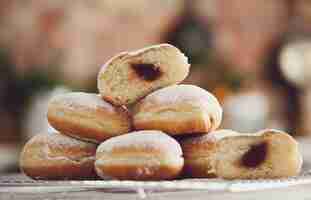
(254, 55)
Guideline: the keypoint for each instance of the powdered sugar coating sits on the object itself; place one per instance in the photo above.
(74, 99)
(271, 131)
(56, 156)
(220, 134)
(55, 147)
(185, 94)
(76, 159)
(224, 133)
(180, 93)
(57, 140)
(211, 137)
(159, 46)
(143, 140)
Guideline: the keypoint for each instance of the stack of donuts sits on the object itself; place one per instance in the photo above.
(145, 125)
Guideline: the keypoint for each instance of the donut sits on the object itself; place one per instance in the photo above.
(140, 155)
(130, 76)
(178, 109)
(231, 155)
(87, 117)
(53, 156)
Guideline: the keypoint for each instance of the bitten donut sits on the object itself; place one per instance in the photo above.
(231, 155)
(178, 109)
(130, 76)
(141, 155)
(87, 117)
(55, 156)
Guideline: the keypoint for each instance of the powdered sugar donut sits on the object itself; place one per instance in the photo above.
(141, 155)
(231, 155)
(130, 76)
(55, 156)
(178, 109)
(88, 117)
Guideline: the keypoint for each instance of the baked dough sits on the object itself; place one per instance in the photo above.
(141, 155)
(87, 117)
(129, 76)
(178, 109)
(54, 156)
(231, 155)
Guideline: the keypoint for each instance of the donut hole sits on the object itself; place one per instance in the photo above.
(255, 156)
(147, 72)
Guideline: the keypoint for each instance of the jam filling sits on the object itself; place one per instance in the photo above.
(255, 156)
(148, 72)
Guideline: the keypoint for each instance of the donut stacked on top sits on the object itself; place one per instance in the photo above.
(127, 130)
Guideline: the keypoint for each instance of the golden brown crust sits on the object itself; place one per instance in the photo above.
(140, 172)
(204, 145)
(198, 168)
(60, 171)
(192, 149)
(199, 152)
(178, 109)
(87, 117)
(79, 132)
(187, 126)
(58, 157)
(141, 155)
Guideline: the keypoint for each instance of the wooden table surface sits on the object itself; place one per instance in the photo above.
(293, 192)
